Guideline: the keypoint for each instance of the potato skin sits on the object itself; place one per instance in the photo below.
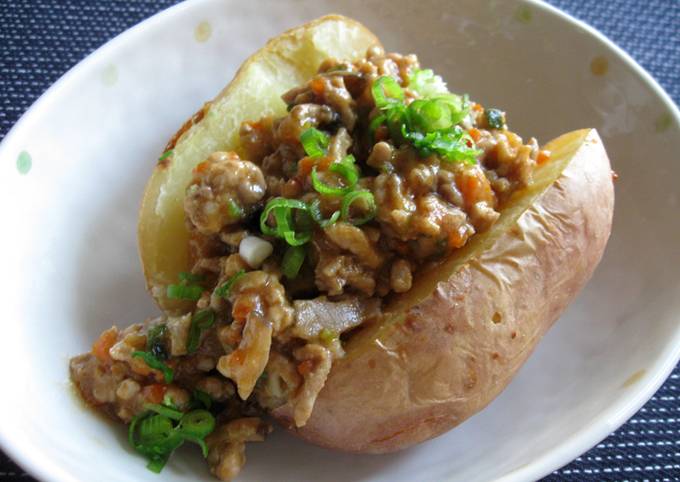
(451, 354)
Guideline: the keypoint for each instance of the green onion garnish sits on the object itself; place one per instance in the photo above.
(184, 292)
(186, 277)
(495, 118)
(165, 155)
(223, 292)
(327, 336)
(197, 423)
(201, 321)
(452, 145)
(350, 198)
(430, 115)
(154, 435)
(315, 211)
(386, 92)
(234, 209)
(292, 261)
(430, 123)
(346, 169)
(153, 362)
(426, 83)
(282, 209)
(314, 142)
(171, 413)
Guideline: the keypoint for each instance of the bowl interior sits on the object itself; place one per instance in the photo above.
(71, 259)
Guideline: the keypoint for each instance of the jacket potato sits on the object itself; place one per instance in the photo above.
(363, 255)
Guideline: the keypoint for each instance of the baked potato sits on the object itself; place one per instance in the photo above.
(341, 243)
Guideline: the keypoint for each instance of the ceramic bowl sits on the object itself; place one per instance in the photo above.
(73, 169)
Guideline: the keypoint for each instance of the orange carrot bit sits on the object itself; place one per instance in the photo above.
(154, 393)
(475, 134)
(542, 157)
(306, 164)
(305, 367)
(477, 107)
(202, 167)
(317, 85)
(101, 347)
(474, 186)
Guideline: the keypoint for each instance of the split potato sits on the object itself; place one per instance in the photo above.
(450, 345)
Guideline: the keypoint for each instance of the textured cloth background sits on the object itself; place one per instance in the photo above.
(42, 39)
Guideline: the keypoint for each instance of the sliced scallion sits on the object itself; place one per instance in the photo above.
(386, 91)
(171, 413)
(292, 261)
(351, 198)
(153, 362)
(201, 321)
(224, 290)
(317, 216)
(282, 210)
(314, 142)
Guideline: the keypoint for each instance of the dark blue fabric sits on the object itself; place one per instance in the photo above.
(41, 39)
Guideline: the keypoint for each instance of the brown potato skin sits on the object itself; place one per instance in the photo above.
(455, 351)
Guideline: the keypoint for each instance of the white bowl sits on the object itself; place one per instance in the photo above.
(70, 258)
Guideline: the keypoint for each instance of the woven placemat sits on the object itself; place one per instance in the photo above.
(40, 40)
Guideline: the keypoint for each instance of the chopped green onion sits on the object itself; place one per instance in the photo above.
(234, 209)
(184, 292)
(282, 209)
(224, 290)
(452, 145)
(459, 106)
(292, 261)
(186, 277)
(197, 423)
(315, 211)
(430, 115)
(314, 142)
(200, 398)
(426, 83)
(327, 336)
(495, 118)
(153, 362)
(153, 434)
(350, 198)
(201, 321)
(165, 155)
(157, 463)
(386, 91)
(169, 402)
(171, 413)
(346, 169)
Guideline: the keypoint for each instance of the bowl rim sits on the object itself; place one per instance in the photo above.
(543, 464)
